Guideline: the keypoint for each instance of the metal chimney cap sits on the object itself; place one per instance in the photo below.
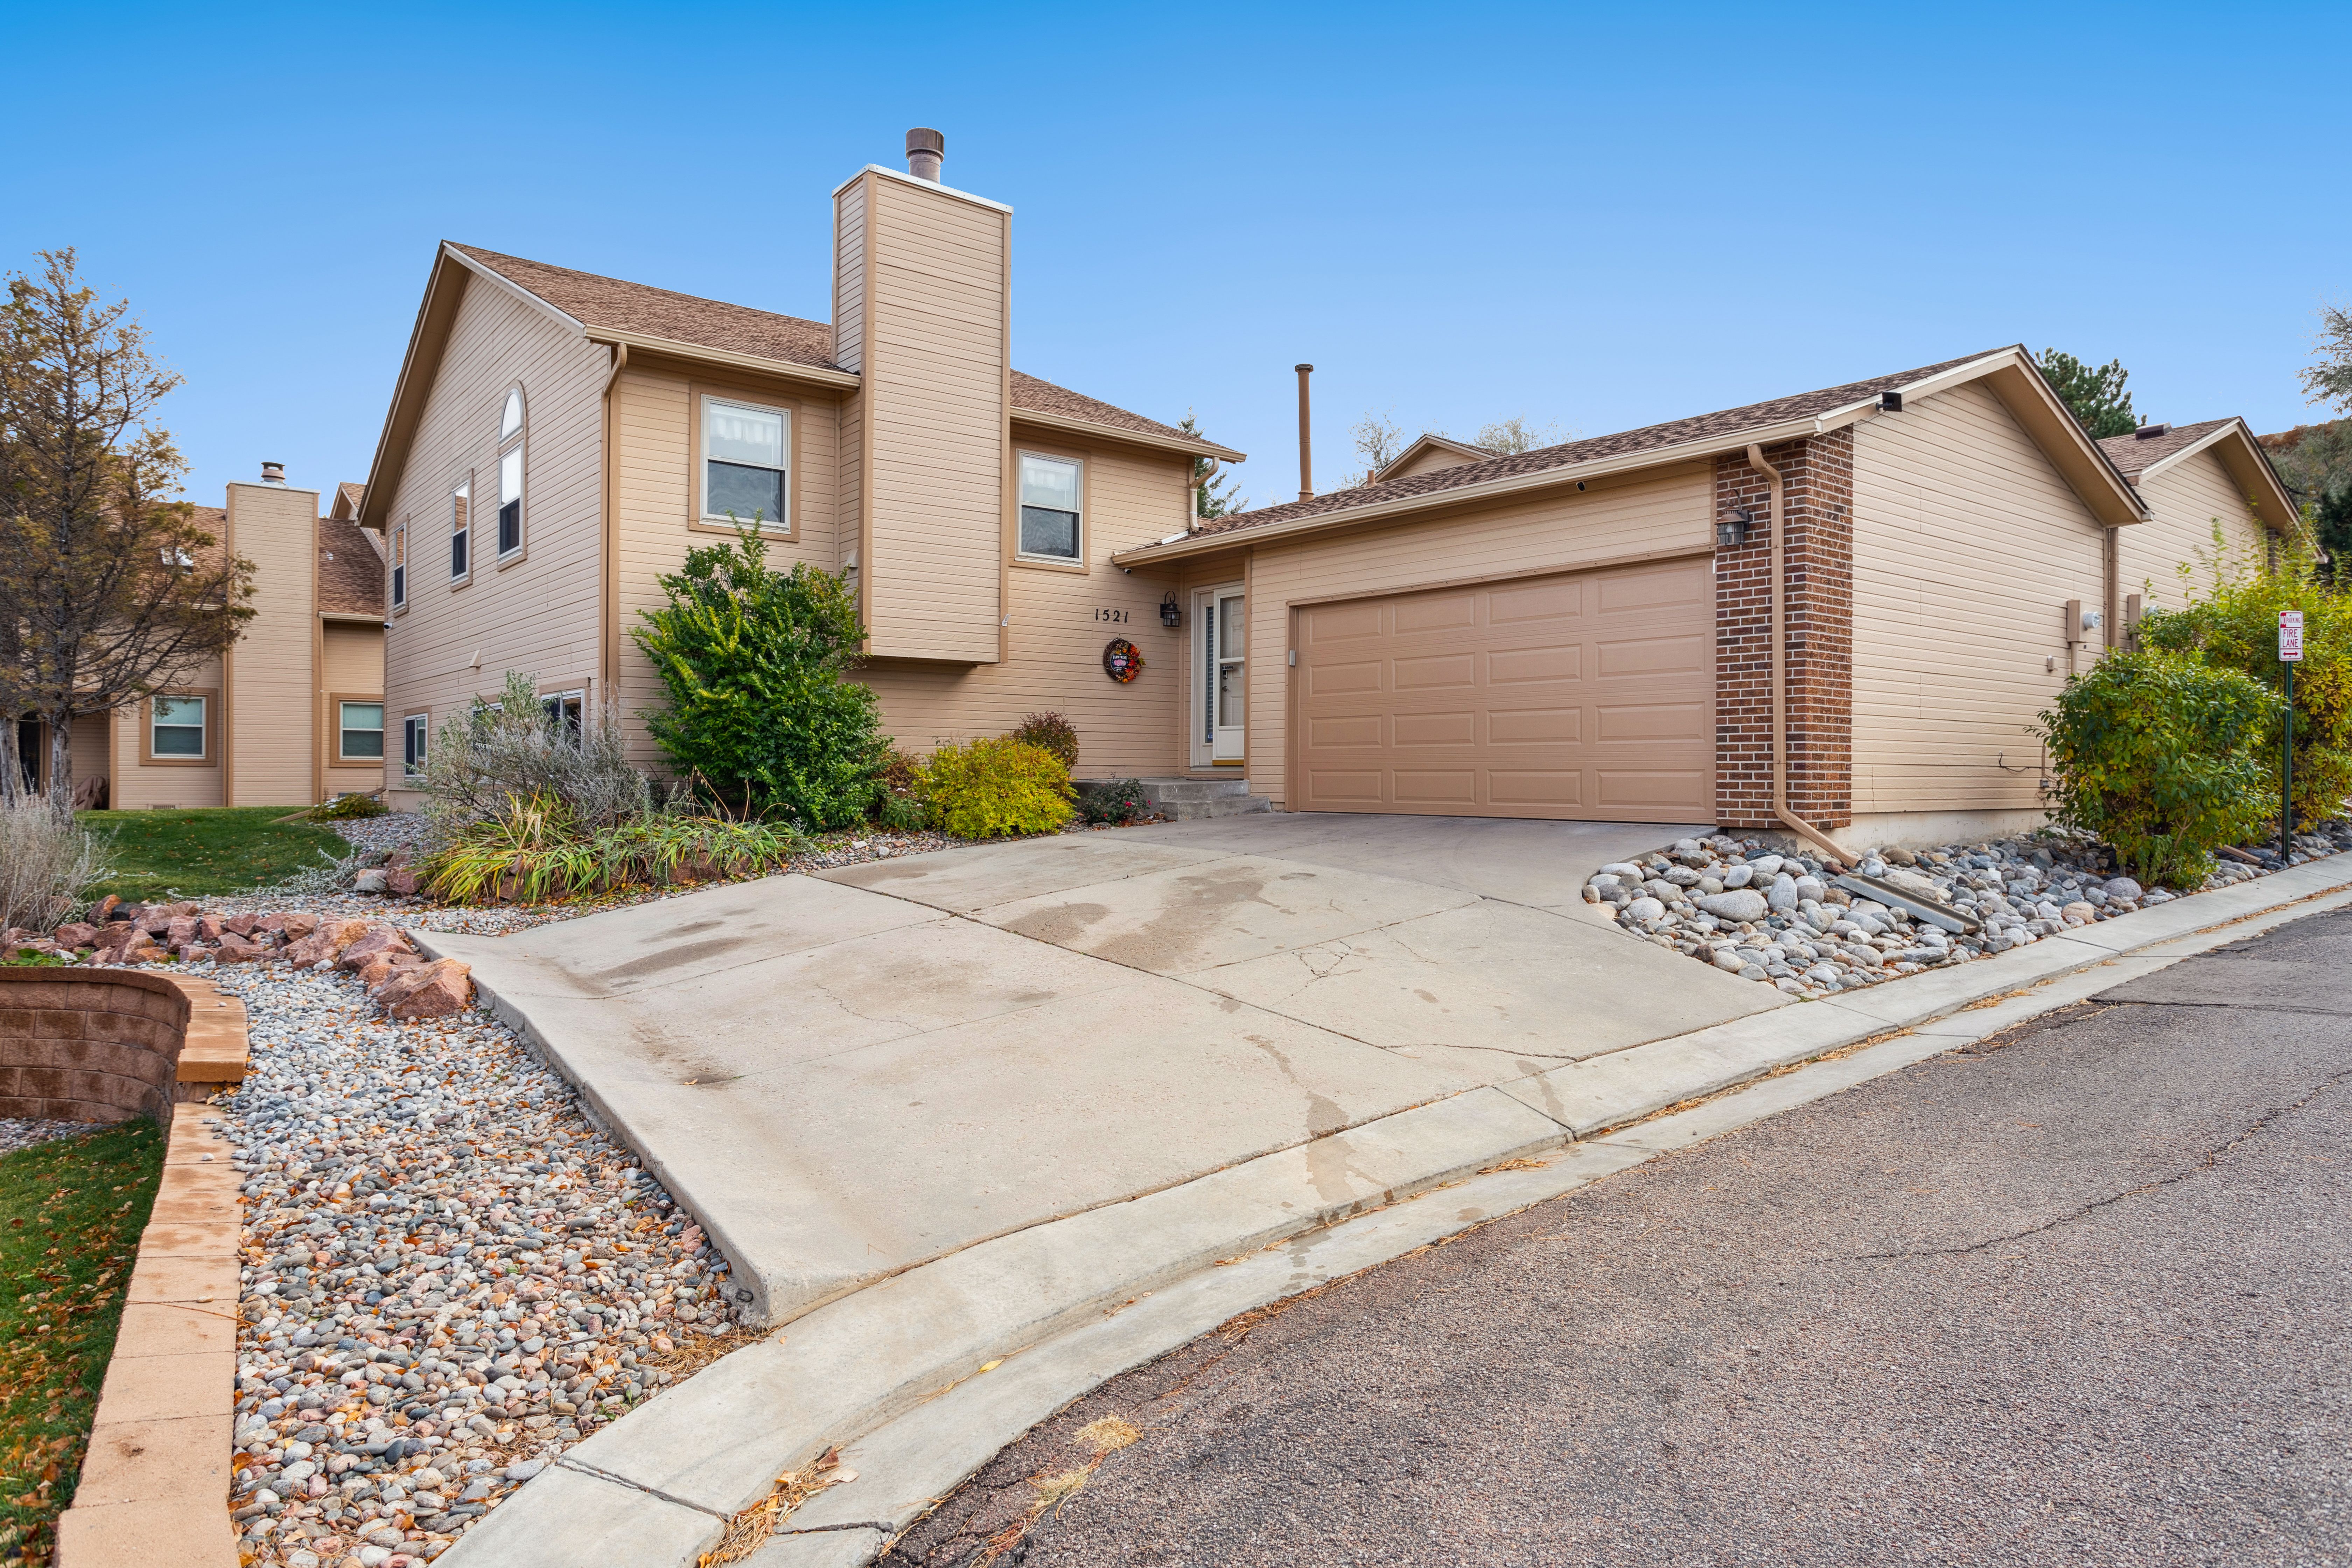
(273, 473)
(925, 149)
(1302, 367)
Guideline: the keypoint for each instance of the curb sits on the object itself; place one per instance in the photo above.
(920, 1378)
(155, 1479)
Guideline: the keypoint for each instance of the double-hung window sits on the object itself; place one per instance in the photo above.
(746, 464)
(511, 439)
(412, 745)
(361, 730)
(400, 564)
(460, 525)
(1051, 528)
(176, 727)
(566, 711)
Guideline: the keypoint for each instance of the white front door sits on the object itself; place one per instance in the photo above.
(1220, 642)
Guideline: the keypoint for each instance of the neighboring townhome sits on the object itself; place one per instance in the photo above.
(293, 713)
(1582, 631)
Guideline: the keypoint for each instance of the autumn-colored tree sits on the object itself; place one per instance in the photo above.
(109, 588)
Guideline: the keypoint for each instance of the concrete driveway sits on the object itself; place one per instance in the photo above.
(846, 1075)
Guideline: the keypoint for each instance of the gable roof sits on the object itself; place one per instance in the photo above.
(2010, 370)
(1429, 442)
(2140, 458)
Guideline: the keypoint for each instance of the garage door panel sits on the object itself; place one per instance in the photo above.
(1431, 671)
(1458, 727)
(1518, 665)
(1344, 679)
(1534, 726)
(1652, 722)
(1554, 789)
(1579, 695)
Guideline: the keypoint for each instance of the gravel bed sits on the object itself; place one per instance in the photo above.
(1780, 919)
(449, 1274)
(393, 830)
(22, 1132)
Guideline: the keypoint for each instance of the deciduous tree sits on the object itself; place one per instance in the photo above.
(2330, 380)
(109, 590)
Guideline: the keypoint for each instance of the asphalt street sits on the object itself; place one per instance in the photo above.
(2076, 1295)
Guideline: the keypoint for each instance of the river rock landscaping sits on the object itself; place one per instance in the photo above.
(450, 1274)
(1780, 918)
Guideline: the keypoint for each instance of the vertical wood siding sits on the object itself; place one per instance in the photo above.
(1967, 545)
(539, 615)
(2185, 502)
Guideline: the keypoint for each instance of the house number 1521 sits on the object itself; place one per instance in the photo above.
(1119, 615)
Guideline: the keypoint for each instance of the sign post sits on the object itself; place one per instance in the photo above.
(2290, 634)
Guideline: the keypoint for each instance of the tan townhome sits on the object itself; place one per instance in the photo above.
(1588, 630)
(292, 714)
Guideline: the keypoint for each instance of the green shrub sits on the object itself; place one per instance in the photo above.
(515, 749)
(1117, 803)
(534, 850)
(2162, 757)
(2233, 625)
(760, 716)
(993, 788)
(1054, 733)
(348, 808)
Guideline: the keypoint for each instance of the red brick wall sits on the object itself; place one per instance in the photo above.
(1817, 504)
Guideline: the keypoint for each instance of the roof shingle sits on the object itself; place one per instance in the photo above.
(1649, 437)
(738, 329)
(351, 569)
(2135, 454)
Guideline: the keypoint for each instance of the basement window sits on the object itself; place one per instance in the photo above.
(746, 462)
(1051, 519)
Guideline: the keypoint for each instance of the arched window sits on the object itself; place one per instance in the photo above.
(510, 443)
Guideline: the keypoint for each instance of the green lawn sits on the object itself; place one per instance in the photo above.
(71, 1215)
(210, 850)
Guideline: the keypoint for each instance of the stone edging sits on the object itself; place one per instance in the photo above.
(893, 1373)
(155, 1481)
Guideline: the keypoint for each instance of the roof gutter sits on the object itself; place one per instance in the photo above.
(789, 370)
(1787, 818)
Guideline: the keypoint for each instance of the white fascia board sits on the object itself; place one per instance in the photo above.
(787, 368)
(485, 270)
(1121, 433)
(905, 178)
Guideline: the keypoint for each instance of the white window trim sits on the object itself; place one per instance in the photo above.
(702, 460)
(1079, 557)
(512, 442)
(398, 574)
(203, 727)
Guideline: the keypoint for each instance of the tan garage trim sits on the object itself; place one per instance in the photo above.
(1566, 696)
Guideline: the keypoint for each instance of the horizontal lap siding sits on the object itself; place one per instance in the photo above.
(1967, 545)
(1054, 644)
(655, 501)
(934, 411)
(1666, 511)
(273, 696)
(354, 659)
(539, 615)
(2185, 502)
(134, 785)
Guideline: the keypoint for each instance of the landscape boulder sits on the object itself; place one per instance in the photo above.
(434, 990)
(75, 934)
(376, 940)
(401, 880)
(235, 949)
(379, 970)
(1739, 905)
(323, 944)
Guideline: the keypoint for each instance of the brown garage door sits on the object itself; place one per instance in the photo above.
(1590, 694)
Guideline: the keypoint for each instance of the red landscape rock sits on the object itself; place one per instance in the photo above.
(401, 880)
(376, 940)
(242, 925)
(75, 935)
(235, 949)
(434, 991)
(379, 970)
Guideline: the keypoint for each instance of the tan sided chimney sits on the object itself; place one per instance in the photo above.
(925, 149)
(921, 316)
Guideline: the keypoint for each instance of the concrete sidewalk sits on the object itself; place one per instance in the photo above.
(847, 1076)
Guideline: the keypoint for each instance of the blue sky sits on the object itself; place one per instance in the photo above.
(1596, 216)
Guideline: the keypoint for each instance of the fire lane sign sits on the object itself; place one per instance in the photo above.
(2290, 636)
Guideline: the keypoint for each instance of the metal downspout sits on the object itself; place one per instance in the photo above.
(1787, 818)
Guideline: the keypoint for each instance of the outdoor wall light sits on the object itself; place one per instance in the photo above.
(1731, 532)
(1170, 614)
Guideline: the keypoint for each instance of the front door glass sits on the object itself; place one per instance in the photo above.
(1226, 681)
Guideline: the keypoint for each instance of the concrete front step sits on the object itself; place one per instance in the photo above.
(1191, 799)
